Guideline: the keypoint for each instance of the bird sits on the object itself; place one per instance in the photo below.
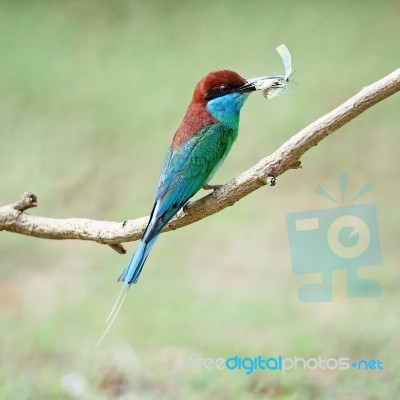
(199, 147)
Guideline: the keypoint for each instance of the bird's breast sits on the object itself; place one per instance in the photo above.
(196, 118)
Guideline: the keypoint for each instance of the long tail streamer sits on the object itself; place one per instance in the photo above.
(114, 311)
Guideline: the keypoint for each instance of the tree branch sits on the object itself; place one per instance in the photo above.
(14, 219)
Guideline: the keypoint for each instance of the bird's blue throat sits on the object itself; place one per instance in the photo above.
(226, 109)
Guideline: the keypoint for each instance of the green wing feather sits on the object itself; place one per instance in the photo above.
(187, 168)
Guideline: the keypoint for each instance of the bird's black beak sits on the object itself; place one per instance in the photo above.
(247, 87)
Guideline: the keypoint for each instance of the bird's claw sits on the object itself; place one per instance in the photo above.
(185, 206)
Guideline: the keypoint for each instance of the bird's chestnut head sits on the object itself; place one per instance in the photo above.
(220, 83)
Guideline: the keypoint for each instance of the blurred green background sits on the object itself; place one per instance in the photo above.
(91, 93)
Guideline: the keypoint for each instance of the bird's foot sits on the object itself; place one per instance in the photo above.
(185, 206)
(211, 187)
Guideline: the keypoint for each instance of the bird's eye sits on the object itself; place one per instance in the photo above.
(217, 91)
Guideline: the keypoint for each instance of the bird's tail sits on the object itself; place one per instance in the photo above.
(129, 276)
(134, 268)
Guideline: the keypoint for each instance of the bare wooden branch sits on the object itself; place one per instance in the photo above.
(14, 219)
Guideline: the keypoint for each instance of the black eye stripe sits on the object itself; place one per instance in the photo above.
(217, 91)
